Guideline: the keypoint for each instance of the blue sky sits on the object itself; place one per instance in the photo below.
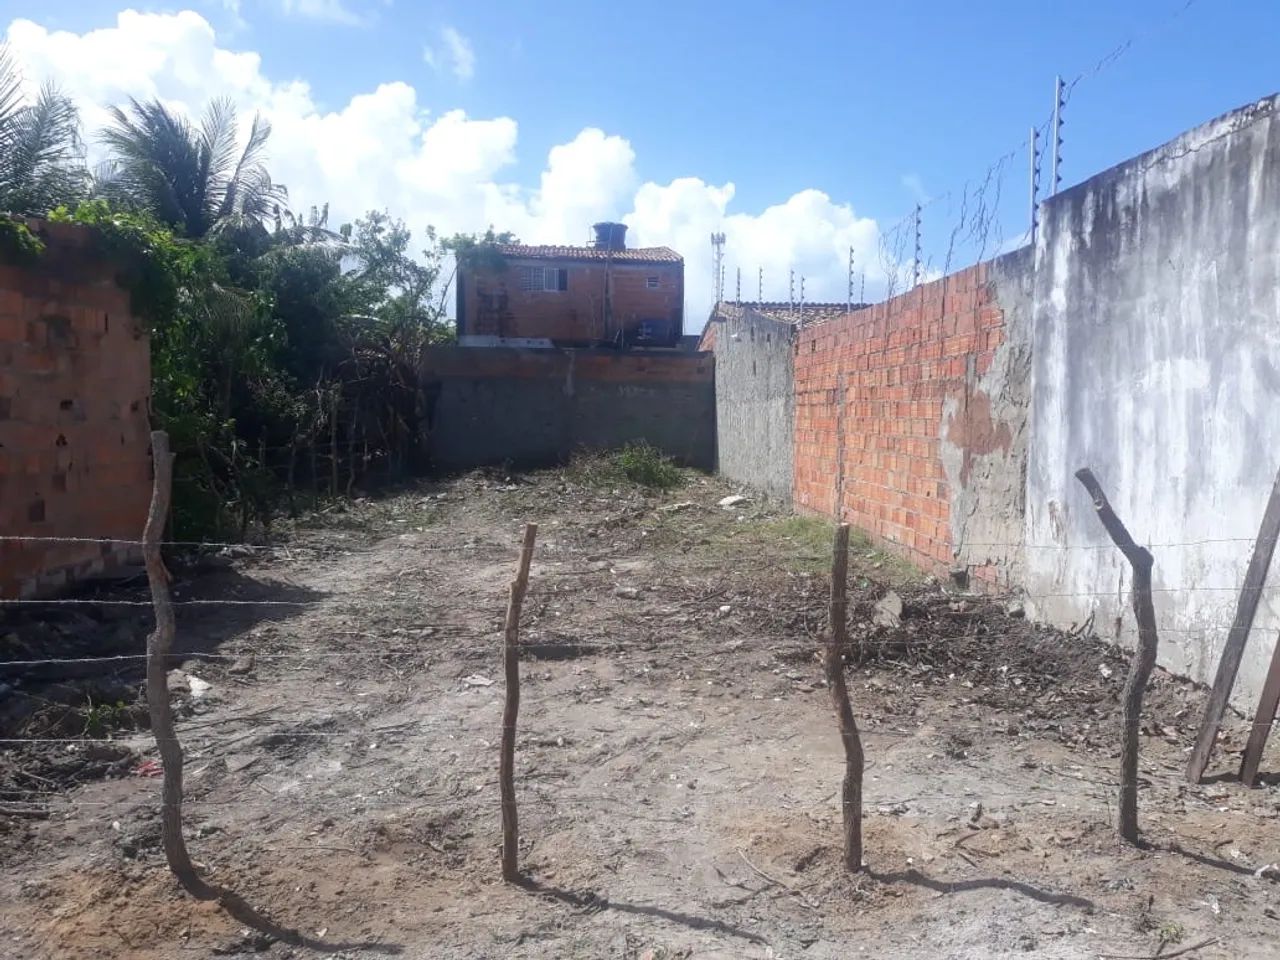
(872, 105)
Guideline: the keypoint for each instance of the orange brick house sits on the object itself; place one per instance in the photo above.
(603, 294)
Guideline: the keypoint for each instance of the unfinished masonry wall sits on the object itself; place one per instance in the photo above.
(1140, 337)
(534, 407)
(911, 415)
(74, 441)
(1157, 363)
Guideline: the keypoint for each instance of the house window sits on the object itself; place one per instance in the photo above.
(544, 279)
(651, 283)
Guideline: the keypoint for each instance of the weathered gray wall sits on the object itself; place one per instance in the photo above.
(536, 407)
(1157, 363)
(985, 432)
(755, 401)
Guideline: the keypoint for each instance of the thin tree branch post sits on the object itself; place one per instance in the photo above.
(1144, 657)
(851, 794)
(511, 711)
(158, 646)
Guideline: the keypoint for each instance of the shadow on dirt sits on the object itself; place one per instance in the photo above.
(916, 878)
(592, 903)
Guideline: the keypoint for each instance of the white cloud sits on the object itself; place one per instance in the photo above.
(330, 11)
(384, 149)
(455, 54)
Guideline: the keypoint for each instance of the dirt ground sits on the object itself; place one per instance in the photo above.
(678, 764)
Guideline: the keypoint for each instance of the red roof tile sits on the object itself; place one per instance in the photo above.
(553, 252)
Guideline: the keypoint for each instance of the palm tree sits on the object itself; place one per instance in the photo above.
(193, 179)
(41, 154)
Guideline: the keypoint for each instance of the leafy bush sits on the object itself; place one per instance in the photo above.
(18, 245)
(647, 466)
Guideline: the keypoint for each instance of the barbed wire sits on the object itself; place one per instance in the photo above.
(979, 220)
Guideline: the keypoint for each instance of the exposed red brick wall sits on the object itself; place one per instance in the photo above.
(74, 442)
(492, 303)
(870, 389)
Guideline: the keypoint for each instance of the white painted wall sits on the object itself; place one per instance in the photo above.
(1156, 362)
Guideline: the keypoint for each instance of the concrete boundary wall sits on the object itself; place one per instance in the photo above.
(533, 407)
(755, 399)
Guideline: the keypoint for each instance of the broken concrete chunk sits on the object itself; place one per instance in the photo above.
(734, 500)
(627, 593)
(198, 687)
(888, 611)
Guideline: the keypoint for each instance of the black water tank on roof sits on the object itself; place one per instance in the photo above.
(610, 236)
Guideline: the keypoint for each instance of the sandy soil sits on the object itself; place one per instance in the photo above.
(678, 761)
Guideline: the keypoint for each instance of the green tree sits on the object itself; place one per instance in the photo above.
(41, 154)
(195, 179)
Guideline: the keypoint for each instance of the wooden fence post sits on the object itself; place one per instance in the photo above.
(333, 446)
(511, 711)
(158, 647)
(1233, 650)
(1144, 657)
(1262, 721)
(851, 794)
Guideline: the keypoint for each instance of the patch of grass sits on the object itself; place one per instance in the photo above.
(805, 543)
(639, 463)
(1171, 932)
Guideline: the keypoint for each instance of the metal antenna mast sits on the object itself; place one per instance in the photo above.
(849, 304)
(1059, 102)
(1035, 179)
(915, 264)
(717, 252)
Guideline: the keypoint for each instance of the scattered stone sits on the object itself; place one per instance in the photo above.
(627, 593)
(733, 500)
(242, 665)
(477, 680)
(677, 507)
(1015, 609)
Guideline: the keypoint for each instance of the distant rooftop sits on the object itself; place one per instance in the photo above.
(555, 252)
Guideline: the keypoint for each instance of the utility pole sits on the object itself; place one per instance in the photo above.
(738, 293)
(1035, 178)
(717, 266)
(802, 301)
(760, 285)
(1055, 179)
(791, 290)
